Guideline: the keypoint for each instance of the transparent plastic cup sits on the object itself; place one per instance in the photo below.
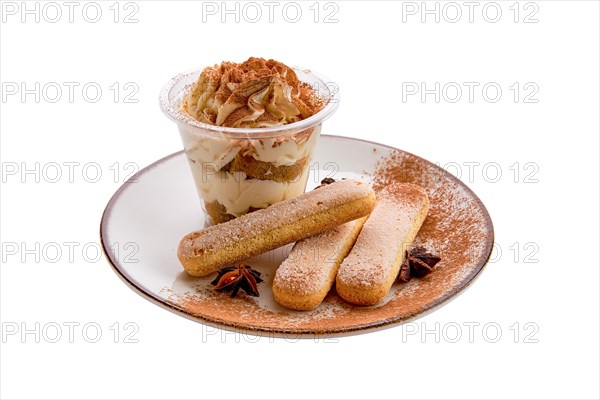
(239, 170)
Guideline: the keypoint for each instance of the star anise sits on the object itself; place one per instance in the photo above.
(325, 182)
(232, 279)
(418, 262)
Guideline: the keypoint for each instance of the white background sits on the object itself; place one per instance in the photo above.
(545, 218)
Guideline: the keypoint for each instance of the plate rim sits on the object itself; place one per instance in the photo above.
(304, 332)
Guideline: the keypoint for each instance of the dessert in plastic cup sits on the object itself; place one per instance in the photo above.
(249, 131)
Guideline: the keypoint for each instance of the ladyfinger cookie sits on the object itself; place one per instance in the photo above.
(304, 278)
(205, 251)
(367, 274)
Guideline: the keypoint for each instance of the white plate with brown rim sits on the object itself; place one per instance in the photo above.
(145, 219)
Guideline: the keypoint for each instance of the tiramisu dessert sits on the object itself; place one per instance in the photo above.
(252, 135)
(249, 130)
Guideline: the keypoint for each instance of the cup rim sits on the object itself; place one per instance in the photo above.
(173, 113)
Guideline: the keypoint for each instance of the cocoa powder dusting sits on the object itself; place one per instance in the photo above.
(253, 75)
(457, 229)
(256, 68)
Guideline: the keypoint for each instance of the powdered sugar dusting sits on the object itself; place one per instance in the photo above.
(383, 236)
(278, 214)
(309, 265)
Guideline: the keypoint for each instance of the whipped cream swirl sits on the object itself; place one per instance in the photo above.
(257, 93)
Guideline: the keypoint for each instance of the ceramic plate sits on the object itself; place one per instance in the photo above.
(145, 219)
